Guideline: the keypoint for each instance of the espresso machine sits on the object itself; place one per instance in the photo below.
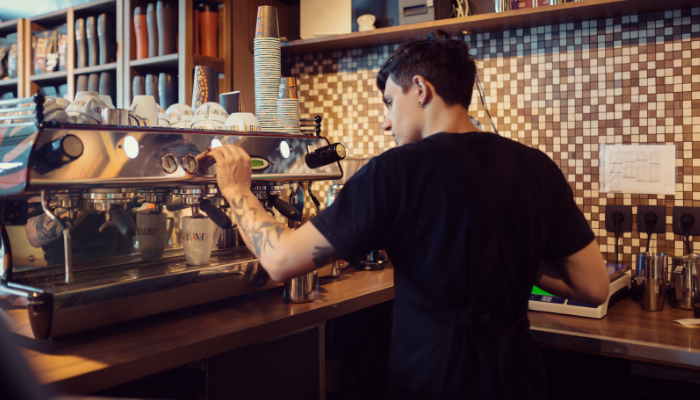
(111, 170)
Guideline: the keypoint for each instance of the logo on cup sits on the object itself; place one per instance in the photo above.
(148, 231)
(193, 237)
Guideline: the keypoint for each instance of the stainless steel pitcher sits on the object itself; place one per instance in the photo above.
(650, 281)
(683, 286)
(301, 289)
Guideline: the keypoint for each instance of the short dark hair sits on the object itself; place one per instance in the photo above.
(441, 60)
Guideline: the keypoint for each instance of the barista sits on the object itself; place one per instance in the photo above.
(470, 220)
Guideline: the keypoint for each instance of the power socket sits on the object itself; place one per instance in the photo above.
(678, 212)
(660, 212)
(626, 211)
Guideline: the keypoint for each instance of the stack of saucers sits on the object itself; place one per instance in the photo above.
(288, 106)
(268, 63)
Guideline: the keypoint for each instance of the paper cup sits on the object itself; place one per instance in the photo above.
(266, 25)
(231, 102)
(205, 86)
(144, 106)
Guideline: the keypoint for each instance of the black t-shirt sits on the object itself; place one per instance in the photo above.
(466, 220)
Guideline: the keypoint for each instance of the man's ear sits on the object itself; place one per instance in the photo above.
(425, 90)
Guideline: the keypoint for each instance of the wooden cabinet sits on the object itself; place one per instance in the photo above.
(183, 62)
(31, 82)
(13, 85)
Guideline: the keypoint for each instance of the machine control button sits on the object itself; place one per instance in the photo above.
(169, 163)
(190, 163)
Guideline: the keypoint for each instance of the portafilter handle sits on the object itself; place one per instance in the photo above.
(219, 217)
(286, 209)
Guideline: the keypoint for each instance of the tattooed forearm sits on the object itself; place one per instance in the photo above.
(258, 237)
(324, 256)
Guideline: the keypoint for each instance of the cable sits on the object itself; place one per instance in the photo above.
(483, 102)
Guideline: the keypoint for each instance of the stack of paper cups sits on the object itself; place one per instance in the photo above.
(288, 106)
(268, 64)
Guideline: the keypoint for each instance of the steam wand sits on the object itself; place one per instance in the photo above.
(66, 236)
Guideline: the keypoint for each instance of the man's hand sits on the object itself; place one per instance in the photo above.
(233, 170)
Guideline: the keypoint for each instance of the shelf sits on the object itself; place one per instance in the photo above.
(167, 61)
(216, 62)
(95, 7)
(8, 27)
(52, 76)
(516, 19)
(95, 69)
(8, 82)
(50, 20)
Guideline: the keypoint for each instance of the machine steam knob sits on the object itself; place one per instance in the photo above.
(326, 155)
(63, 150)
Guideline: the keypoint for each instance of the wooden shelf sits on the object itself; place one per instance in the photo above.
(50, 20)
(516, 19)
(167, 61)
(51, 76)
(8, 27)
(95, 7)
(95, 69)
(8, 82)
(217, 62)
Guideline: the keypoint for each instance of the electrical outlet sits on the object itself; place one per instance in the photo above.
(678, 212)
(626, 211)
(660, 212)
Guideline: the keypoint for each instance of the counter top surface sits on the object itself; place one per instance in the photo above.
(90, 361)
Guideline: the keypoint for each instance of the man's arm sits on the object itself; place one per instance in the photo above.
(581, 276)
(283, 252)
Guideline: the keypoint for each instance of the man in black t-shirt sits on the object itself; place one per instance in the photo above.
(469, 219)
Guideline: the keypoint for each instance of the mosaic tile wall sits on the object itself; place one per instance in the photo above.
(564, 89)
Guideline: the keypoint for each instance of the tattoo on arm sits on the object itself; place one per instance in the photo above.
(258, 237)
(46, 229)
(324, 256)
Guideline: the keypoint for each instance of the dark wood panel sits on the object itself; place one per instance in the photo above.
(90, 361)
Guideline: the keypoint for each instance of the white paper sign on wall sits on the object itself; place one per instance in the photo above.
(638, 168)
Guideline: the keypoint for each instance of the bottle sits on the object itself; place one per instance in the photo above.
(141, 33)
(167, 28)
(80, 43)
(152, 21)
(209, 29)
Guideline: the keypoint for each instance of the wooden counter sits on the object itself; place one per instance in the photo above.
(86, 362)
(90, 361)
(627, 331)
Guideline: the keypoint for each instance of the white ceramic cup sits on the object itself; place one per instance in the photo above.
(199, 235)
(144, 106)
(163, 120)
(242, 122)
(107, 100)
(209, 115)
(180, 115)
(366, 22)
(153, 234)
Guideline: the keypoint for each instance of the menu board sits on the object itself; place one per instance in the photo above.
(638, 168)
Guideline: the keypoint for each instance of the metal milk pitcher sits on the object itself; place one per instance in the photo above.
(683, 286)
(650, 281)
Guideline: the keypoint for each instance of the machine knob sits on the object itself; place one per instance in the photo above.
(325, 155)
(59, 152)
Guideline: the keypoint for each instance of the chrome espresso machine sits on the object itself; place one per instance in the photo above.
(62, 170)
